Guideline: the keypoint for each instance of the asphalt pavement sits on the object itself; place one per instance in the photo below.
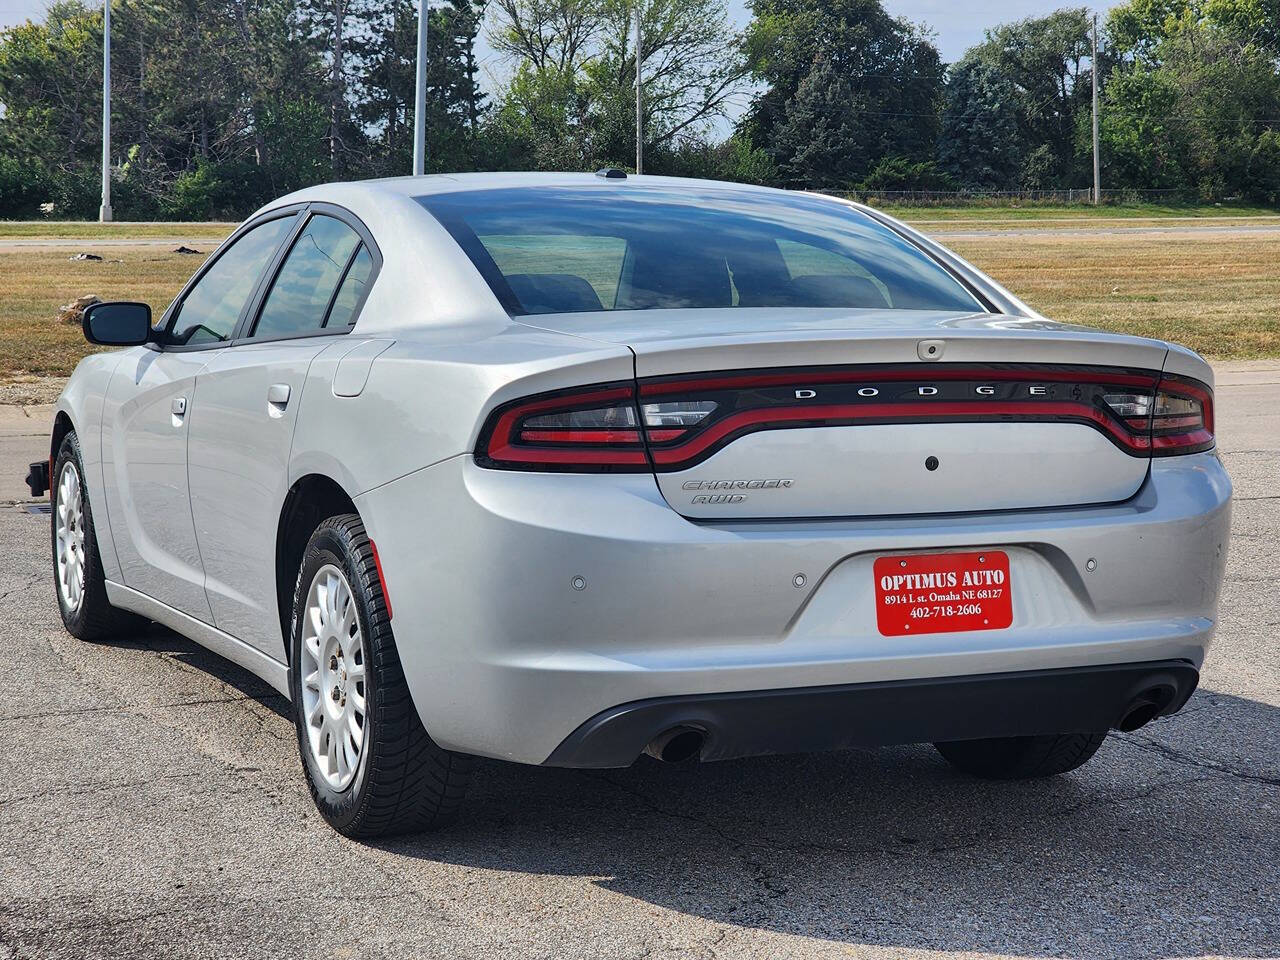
(151, 804)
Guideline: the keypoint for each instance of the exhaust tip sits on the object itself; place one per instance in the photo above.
(1146, 707)
(676, 745)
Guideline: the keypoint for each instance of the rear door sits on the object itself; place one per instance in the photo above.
(242, 427)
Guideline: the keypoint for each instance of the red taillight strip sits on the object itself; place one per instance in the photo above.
(748, 421)
(870, 375)
(507, 442)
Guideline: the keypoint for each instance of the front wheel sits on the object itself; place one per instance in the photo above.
(77, 564)
(1022, 758)
(370, 764)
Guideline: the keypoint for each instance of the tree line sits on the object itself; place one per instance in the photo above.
(221, 105)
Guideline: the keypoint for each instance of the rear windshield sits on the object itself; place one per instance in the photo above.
(638, 247)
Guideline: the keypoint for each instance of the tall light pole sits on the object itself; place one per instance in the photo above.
(639, 88)
(1097, 170)
(104, 212)
(420, 96)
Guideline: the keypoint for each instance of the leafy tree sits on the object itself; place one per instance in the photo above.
(573, 93)
(1193, 101)
(845, 85)
(1144, 142)
(980, 145)
(1043, 58)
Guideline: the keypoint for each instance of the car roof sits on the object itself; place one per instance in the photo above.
(437, 183)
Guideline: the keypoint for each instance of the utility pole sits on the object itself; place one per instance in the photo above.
(639, 114)
(420, 96)
(1097, 174)
(104, 212)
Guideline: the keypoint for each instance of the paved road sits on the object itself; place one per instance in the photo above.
(151, 804)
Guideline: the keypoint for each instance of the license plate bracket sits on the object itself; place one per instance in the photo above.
(943, 592)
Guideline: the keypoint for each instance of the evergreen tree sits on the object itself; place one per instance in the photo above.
(980, 146)
(869, 83)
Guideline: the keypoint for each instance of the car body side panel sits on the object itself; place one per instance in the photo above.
(426, 395)
(144, 446)
(82, 401)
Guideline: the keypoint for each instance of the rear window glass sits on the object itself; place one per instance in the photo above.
(638, 247)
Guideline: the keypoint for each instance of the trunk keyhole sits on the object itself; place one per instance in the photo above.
(931, 463)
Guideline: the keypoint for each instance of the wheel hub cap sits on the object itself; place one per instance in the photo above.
(69, 537)
(333, 677)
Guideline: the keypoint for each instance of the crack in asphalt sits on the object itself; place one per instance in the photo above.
(80, 790)
(1152, 746)
(133, 709)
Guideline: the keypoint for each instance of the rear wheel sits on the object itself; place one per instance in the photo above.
(370, 764)
(77, 564)
(1022, 758)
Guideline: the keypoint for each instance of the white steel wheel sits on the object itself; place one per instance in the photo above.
(69, 542)
(334, 700)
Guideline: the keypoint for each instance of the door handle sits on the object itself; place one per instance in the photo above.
(178, 407)
(277, 399)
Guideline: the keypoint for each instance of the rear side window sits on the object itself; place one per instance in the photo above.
(572, 249)
(304, 289)
(352, 290)
(211, 308)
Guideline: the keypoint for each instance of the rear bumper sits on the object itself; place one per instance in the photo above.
(810, 719)
(527, 604)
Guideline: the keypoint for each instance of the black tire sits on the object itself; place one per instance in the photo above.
(403, 782)
(1022, 758)
(94, 618)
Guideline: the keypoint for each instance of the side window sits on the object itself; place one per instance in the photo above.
(304, 288)
(209, 311)
(351, 293)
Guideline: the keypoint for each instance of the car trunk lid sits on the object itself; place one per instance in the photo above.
(823, 413)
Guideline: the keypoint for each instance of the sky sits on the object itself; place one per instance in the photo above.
(958, 24)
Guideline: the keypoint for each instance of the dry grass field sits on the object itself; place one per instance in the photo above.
(1217, 292)
(36, 281)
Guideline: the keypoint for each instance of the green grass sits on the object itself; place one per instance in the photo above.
(83, 230)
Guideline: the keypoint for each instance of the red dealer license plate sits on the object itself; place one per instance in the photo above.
(943, 593)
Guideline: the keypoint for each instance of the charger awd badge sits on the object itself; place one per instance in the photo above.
(731, 485)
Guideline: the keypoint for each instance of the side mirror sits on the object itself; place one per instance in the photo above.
(120, 324)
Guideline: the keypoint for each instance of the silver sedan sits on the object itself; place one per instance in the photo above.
(564, 469)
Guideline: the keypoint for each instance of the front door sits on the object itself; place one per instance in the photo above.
(146, 420)
(144, 449)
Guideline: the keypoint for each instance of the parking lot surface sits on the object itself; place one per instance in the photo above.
(151, 803)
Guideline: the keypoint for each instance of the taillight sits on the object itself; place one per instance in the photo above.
(1116, 402)
(595, 428)
(1181, 417)
(672, 423)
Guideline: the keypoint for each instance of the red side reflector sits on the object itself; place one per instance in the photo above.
(382, 581)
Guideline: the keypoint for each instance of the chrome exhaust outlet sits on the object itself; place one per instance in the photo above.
(676, 745)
